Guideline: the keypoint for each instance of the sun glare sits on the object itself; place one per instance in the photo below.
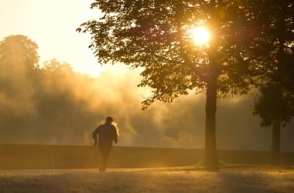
(200, 35)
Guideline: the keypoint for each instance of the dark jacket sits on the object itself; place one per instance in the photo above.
(107, 134)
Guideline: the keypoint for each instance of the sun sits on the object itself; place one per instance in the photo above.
(200, 35)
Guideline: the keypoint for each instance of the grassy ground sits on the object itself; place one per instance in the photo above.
(228, 179)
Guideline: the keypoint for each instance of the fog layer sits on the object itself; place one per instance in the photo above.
(52, 104)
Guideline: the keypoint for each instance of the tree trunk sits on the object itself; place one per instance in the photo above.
(210, 155)
(276, 142)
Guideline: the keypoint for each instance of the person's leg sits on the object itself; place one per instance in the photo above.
(105, 151)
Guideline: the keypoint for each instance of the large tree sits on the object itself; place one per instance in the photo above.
(155, 35)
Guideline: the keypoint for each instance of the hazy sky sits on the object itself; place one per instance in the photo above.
(52, 24)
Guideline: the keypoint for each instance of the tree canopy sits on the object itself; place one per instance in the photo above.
(155, 35)
(18, 49)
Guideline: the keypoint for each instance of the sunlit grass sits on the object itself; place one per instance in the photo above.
(188, 179)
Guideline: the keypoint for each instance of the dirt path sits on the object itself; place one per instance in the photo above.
(238, 180)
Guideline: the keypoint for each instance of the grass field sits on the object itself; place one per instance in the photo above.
(232, 179)
(73, 169)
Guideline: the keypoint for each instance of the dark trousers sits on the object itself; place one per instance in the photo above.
(105, 151)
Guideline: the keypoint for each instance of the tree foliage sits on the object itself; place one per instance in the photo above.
(272, 104)
(16, 50)
(155, 35)
(276, 92)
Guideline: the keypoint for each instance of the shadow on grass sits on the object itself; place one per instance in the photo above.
(223, 166)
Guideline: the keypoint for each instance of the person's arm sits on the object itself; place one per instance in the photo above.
(115, 135)
(94, 135)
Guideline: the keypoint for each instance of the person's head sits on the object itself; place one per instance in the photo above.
(109, 119)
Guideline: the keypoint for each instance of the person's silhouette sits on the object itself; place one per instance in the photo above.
(107, 134)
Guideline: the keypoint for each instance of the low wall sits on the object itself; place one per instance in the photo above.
(62, 157)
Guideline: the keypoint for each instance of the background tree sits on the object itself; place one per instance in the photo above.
(275, 103)
(155, 35)
(40, 104)
(18, 59)
(274, 106)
